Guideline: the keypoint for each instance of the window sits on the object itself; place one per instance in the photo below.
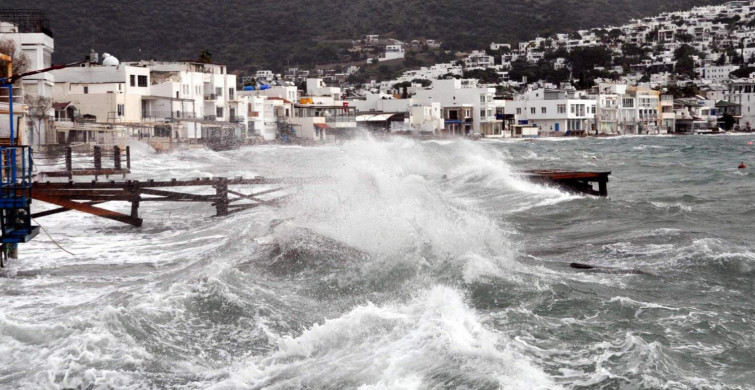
(230, 93)
(132, 80)
(543, 110)
(121, 109)
(532, 110)
(574, 125)
(86, 90)
(519, 111)
(142, 81)
(482, 98)
(573, 109)
(482, 114)
(562, 108)
(219, 112)
(219, 91)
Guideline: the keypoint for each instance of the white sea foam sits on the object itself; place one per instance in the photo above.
(424, 343)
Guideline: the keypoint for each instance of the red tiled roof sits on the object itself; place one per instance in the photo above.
(277, 98)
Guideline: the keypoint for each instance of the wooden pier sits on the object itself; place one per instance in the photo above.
(96, 169)
(87, 196)
(577, 182)
(228, 198)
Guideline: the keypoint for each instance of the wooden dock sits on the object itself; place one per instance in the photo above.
(96, 169)
(227, 197)
(87, 196)
(577, 182)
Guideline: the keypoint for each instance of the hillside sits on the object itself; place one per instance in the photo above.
(250, 35)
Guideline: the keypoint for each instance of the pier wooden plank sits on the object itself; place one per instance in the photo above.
(61, 210)
(575, 181)
(85, 208)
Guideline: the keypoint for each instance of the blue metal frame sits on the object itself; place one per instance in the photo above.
(16, 166)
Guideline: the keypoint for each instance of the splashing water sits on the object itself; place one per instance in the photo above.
(401, 264)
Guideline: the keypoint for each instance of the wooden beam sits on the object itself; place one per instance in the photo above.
(248, 197)
(61, 210)
(85, 208)
(241, 207)
(170, 195)
(156, 184)
(86, 172)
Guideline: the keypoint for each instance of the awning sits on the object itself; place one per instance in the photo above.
(322, 125)
(61, 106)
(374, 118)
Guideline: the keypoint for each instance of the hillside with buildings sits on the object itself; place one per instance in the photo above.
(251, 35)
(690, 71)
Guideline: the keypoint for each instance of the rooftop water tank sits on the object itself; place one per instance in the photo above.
(108, 60)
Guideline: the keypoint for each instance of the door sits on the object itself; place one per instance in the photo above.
(557, 127)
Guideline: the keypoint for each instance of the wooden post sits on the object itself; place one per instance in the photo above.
(69, 163)
(603, 186)
(128, 157)
(221, 192)
(133, 189)
(97, 158)
(116, 157)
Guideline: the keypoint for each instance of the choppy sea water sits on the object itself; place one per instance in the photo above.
(405, 265)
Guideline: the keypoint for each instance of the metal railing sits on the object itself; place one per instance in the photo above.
(15, 194)
(167, 115)
(16, 170)
(340, 118)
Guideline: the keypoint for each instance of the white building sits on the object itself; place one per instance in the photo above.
(498, 46)
(717, 72)
(35, 41)
(419, 117)
(554, 111)
(264, 75)
(461, 93)
(742, 92)
(392, 52)
(321, 115)
(202, 97)
(104, 93)
(479, 60)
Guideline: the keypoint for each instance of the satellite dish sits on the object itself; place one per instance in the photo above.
(108, 60)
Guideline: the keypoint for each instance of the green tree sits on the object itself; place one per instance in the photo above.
(205, 56)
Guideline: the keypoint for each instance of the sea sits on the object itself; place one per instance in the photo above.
(400, 263)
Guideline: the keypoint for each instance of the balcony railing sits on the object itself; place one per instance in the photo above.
(211, 96)
(236, 119)
(210, 117)
(167, 115)
(340, 118)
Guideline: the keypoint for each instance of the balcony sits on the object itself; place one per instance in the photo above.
(158, 116)
(210, 117)
(340, 118)
(236, 119)
(210, 97)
